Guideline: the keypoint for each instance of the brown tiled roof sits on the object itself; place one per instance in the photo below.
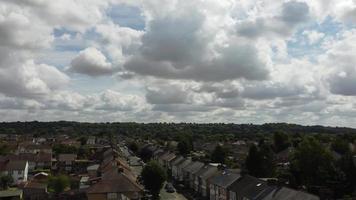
(35, 184)
(40, 157)
(119, 183)
(15, 165)
(67, 157)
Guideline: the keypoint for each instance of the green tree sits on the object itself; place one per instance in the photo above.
(185, 144)
(4, 149)
(348, 167)
(219, 154)
(312, 163)
(133, 146)
(146, 154)
(281, 141)
(153, 176)
(58, 184)
(6, 181)
(260, 161)
(340, 145)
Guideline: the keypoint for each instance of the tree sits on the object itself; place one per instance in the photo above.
(133, 146)
(341, 146)
(281, 141)
(260, 161)
(146, 154)
(185, 144)
(312, 163)
(6, 181)
(219, 154)
(4, 149)
(153, 176)
(58, 184)
(348, 167)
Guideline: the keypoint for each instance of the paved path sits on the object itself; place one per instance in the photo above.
(171, 196)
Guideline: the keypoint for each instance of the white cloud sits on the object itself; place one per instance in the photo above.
(91, 62)
(224, 61)
(313, 36)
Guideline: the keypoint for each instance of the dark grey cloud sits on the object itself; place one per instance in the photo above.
(343, 83)
(293, 14)
(236, 61)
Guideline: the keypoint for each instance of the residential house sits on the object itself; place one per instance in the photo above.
(116, 183)
(18, 169)
(249, 188)
(189, 173)
(91, 140)
(93, 170)
(173, 166)
(219, 184)
(167, 159)
(66, 161)
(283, 193)
(29, 147)
(202, 179)
(11, 194)
(35, 190)
(40, 160)
(180, 166)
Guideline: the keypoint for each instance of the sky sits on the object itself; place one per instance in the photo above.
(231, 61)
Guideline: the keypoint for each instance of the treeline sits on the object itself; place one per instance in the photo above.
(161, 129)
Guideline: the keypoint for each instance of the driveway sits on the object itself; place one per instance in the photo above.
(171, 196)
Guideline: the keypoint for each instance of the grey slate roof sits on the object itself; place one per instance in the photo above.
(177, 160)
(184, 163)
(206, 172)
(283, 193)
(193, 167)
(225, 178)
(250, 187)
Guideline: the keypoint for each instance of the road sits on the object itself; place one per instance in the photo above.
(171, 196)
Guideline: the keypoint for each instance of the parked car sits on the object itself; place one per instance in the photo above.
(169, 188)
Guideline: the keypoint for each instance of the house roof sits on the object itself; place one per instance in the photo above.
(282, 193)
(35, 184)
(250, 187)
(184, 163)
(118, 184)
(93, 167)
(193, 167)
(10, 193)
(168, 157)
(16, 165)
(225, 178)
(177, 160)
(67, 157)
(207, 171)
(39, 157)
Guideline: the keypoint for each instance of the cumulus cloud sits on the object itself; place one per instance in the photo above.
(224, 61)
(292, 14)
(91, 62)
(30, 79)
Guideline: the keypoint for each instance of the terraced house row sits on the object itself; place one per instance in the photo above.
(213, 182)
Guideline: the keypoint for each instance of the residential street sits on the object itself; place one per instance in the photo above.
(171, 196)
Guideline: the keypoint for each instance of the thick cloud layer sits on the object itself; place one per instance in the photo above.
(176, 60)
